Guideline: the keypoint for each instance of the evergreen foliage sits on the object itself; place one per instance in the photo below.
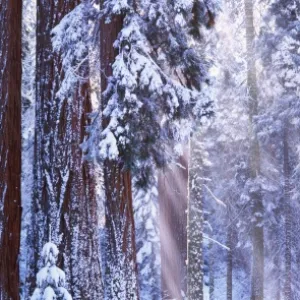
(154, 95)
(50, 279)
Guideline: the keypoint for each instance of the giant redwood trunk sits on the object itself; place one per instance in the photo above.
(10, 147)
(257, 276)
(173, 200)
(120, 267)
(64, 200)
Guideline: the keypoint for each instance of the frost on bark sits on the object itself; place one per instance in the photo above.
(64, 200)
(195, 223)
(120, 267)
(173, 196)
(28, 125)
(257, 276)
(10, 147)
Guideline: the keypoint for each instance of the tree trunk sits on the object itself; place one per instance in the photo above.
(65, 204)
(10, 147)
(278, 281)
(211, 273)
(121, 267)
(229, 261)
(257, 276)
(288, 217)
(173, 196)
(195, 225)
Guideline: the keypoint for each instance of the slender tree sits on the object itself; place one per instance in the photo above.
(257, 275)
(195, 221)
(211, 273)
(10, 147)
(288, 216)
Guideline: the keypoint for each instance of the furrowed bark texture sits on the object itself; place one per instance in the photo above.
(121, 267)
(10, 146)
(173, 196)
(257, 276)
(64, 200)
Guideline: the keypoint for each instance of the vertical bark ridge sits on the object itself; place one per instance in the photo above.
(10, 147)
(64, 193)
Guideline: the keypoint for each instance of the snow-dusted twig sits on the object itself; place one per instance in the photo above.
(216, 242)
(214, 197)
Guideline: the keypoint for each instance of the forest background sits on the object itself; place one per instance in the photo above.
(155, 143)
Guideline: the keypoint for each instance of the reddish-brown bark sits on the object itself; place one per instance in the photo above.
(119, 207)
(10, 147)
(117, 180)
(64, 192)
(173, 196)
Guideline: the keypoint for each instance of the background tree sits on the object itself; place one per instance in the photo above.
(255, 193)
(225, 153)
(279, 124)
(195, 220)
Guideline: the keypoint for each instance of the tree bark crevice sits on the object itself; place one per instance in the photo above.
(10, 147)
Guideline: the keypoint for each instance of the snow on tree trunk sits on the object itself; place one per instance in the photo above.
(173, 196)
(257, 276)
(10, 147)
(28, 125)
(121, 267)
(64, 197)
(146, 212)
(195, 224)
(229, 274)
